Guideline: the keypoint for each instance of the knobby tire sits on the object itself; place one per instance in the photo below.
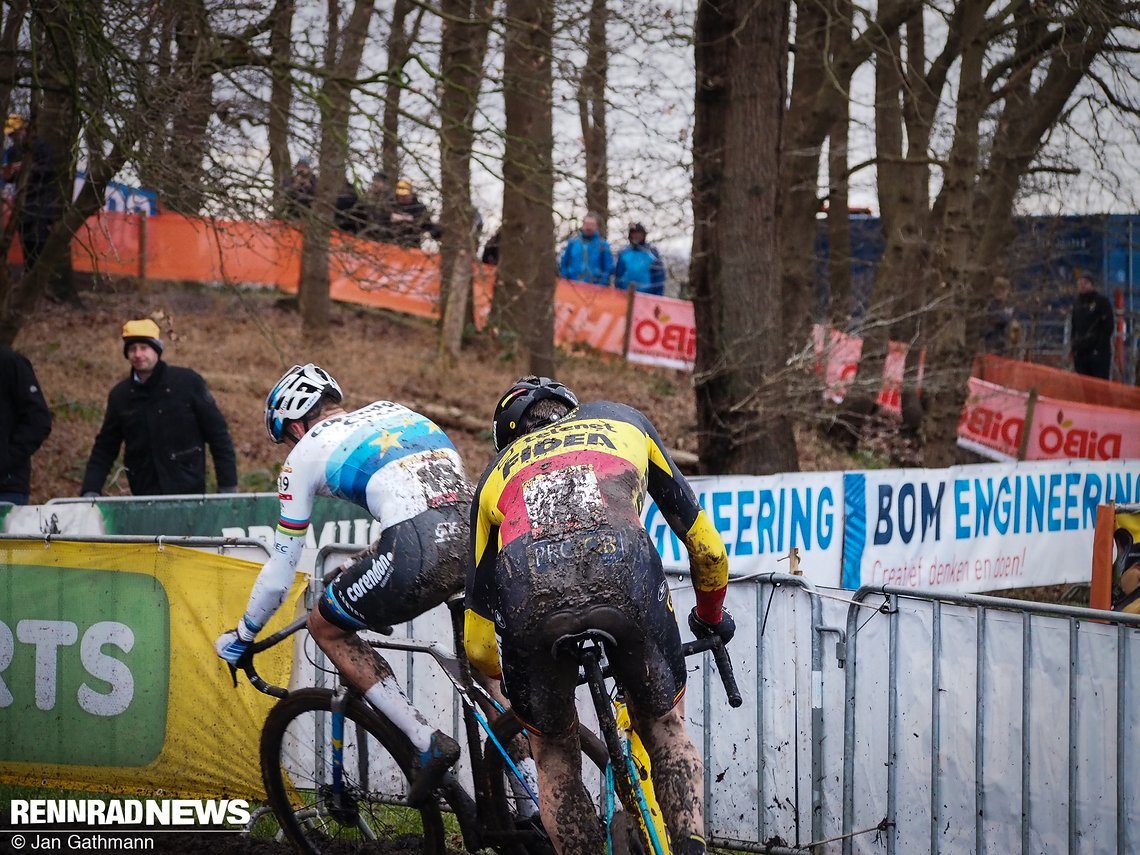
(283, 760)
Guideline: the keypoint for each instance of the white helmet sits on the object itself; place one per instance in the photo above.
(296, 394)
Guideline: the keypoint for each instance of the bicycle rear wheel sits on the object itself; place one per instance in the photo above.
(296, 767)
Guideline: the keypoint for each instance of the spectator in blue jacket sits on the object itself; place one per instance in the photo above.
(587, 257)
(639, 265)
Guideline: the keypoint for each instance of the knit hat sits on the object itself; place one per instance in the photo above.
(143, 331)
(403, 186)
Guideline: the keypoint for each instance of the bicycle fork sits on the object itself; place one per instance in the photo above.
(340, 803)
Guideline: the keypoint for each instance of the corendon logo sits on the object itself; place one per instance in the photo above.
(656, 332)
(1064, 440)
(991, 424)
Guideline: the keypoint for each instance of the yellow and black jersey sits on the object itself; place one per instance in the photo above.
(588, 472)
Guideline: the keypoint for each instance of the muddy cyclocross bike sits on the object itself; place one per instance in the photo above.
(336, 770)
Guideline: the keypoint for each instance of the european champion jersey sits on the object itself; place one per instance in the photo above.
(383, 457)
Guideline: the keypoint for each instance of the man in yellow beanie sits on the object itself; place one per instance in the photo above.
(165, 416)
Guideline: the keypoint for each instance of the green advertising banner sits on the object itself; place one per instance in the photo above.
(84, 660)
(230, 515)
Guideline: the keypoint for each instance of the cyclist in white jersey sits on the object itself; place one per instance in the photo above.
(404, 470)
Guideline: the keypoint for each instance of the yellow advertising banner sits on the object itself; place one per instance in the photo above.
(108, 677)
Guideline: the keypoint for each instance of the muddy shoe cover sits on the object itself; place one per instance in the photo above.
(431, 766)
(693, 846)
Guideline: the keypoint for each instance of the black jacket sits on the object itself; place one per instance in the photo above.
(165, 423)
(1092, 324)
(25, 421)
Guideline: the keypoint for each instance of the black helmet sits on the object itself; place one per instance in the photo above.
(507, 425)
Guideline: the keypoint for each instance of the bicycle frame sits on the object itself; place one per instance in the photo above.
(471, 809)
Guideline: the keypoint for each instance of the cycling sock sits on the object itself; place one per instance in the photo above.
(389, 699)
(526, 807)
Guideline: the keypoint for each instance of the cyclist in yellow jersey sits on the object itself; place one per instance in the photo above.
(557, 547)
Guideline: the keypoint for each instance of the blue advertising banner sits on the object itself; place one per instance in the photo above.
(979, 528)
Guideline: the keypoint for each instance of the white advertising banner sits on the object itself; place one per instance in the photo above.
(664, 332)
(761, 518)
(978, 528)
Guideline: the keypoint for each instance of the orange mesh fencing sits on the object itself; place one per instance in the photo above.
(1056, 383)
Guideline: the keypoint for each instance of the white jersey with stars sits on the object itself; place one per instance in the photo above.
(383, 457)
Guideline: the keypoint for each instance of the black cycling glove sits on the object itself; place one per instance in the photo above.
(700, 628)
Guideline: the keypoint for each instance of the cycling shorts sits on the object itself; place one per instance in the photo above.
(548, 586)
(413, 566)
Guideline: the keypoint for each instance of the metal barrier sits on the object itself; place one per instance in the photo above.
(990, 725)
(220, 545)
(891, 720)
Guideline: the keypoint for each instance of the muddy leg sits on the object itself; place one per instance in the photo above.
(365, 669)
(677, 774)
(567, 811)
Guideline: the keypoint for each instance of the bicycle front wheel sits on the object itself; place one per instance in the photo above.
(366, 808)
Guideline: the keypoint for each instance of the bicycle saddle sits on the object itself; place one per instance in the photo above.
(600, 623)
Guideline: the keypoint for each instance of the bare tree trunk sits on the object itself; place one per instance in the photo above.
(466, 24)
(191, 116)
(280, 99)
(592, 113)
(820, 82)
(158, 87)
(9, 38)
(341, 67)
(399, 46)
(976, 207)
(839, 220)
(55, 127)
(744, 422)
(524, 290)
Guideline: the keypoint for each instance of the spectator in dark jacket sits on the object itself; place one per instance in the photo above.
(25, 422)
(375, 210)
(165, 416)
(410, 218)
(299, 190)
(1091, 330)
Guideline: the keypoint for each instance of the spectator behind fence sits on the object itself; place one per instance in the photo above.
(639, 264)
(587, 257)
(299, 190)
(375, 210)
(998, 319)
(42, 202)
(346, 209)
(165, 416)
(1090, 330)
(25, 422)
(410, 217)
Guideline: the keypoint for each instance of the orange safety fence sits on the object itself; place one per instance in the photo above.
(1055, 383)
(268, 253)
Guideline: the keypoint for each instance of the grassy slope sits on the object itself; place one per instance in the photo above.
(241, 341)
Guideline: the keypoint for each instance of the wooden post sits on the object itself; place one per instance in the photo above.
(628, 320)
(1100, 593)
(1027, 428)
